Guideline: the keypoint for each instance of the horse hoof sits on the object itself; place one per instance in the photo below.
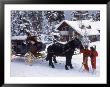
(66, 68)
(55, 62)
(53, 66)
(71, 67)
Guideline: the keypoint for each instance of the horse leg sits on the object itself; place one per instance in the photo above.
(70, 63)
(50, 61)
(54, 59)
(66, 67)
(67, 63)
(69, 57)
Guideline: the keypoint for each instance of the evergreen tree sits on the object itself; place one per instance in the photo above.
(26, 20)
(54, 17)
(80, 15)
(51, 19)
(96, 16)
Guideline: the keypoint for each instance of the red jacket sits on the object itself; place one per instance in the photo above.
(93, 54)
(86, 52)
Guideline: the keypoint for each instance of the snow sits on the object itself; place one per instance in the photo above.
(19, 37)
(40, 67)
(57, 34)
(75, 25)
(94, 24)
(47, 39)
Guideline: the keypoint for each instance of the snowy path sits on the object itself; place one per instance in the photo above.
(41, 69)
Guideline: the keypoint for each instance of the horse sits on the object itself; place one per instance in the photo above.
(66, 50)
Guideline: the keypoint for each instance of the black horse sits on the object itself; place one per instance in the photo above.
(66, 50)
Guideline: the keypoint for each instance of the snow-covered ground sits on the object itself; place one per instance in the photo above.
(41, 69)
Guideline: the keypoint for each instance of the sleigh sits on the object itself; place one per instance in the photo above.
(20, 49)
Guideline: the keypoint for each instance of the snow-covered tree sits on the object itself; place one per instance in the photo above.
(80, 15)
(51, 18)
(25, 20)
(96, 16)
(54, 17)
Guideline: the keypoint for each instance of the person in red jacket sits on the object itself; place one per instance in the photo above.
(86, 54)
(93, 55)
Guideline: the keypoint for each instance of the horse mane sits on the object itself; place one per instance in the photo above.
(68, 43)
(72, 43)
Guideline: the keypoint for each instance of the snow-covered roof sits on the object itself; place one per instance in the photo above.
(19, 37)
(75, 25)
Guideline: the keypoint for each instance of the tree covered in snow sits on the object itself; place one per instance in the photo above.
(25, 20)
(34, 21)
(54, 17)
(85, 15)
(80, 15)
(96, 16)
(51, 18)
